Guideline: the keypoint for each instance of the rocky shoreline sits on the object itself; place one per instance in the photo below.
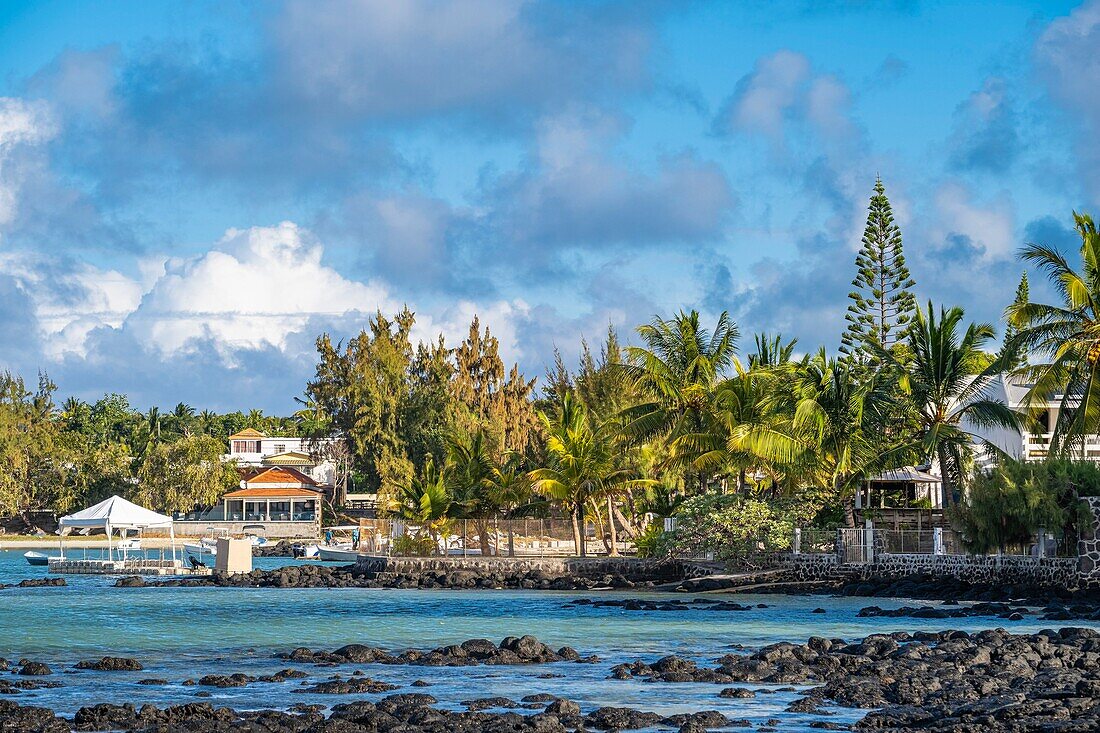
(915, 587)
(350, 576)
(991, 681)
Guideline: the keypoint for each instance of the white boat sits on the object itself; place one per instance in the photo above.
(204, 549)
(306, 552)
(337, 553)
(39, 559)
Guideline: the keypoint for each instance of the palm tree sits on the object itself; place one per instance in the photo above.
(581, 458)
(207, 418)
(677, 373)
(945, 375)
(1068, 334)
(743, 407)
(823, 428)
(511, 488)
(425, 500)
(771, 351)
(152, 420)
(470, 482)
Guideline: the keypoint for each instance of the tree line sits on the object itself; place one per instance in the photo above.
(688, 418)
(60, 456)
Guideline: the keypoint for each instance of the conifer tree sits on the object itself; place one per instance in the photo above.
(882, 303)
(1020, 358)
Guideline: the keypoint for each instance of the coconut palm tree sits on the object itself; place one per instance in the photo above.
(581, 463)
(425, 500)
(676, 373)
(820, 427)
(470, 482)
(945, 375)
(511, 489)
(1067, 334)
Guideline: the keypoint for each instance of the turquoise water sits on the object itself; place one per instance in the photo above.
(184, 633)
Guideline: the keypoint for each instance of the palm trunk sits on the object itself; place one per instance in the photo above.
(482, 526)
(614, 552)
(628, 526)
(578, 529)
(599, 526)
(511, 541)
(946, 486)
(849, 512)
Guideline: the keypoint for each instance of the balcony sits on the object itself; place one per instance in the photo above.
(1037, 447)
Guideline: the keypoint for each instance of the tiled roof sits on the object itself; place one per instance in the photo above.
(289, 458)
(276, 475)
(247, 433)
(272, 493)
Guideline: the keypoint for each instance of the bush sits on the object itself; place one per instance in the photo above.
(409, 546)
(733, 527)
(1005, 507)
(653, 541)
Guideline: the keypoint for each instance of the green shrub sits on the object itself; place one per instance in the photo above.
(1006, 506)
(732, 526)
(653, 541)
(410, 546)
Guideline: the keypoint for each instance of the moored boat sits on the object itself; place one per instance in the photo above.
(337, 553)
(38, 559)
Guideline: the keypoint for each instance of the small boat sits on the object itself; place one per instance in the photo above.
(305, 552)
(252, 534)
(205, 548)
(337, 553)
(38, 559)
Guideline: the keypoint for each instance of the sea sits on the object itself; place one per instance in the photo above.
(182, 634)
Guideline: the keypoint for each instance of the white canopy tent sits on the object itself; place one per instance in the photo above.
(117, 513)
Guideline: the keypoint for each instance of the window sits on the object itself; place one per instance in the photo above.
(280, 447)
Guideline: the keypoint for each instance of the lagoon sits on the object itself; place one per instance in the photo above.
(184, 633)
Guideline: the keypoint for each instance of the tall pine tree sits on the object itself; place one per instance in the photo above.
(1019, 359)
(882, 303)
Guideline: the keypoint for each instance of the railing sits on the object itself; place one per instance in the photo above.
(491, 537)
(859, 544)
(1037, 446)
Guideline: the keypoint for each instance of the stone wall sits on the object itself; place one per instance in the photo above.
(1088, 546)
(272, 530)
(630, 567)
(1046, 571)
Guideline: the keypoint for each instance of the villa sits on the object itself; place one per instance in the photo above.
(251, 448)
(283, 483)
(1031, 446)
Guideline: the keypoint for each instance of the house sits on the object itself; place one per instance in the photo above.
(910, 496)
(1027, 445)
(314, 457)
(275, 494)
(273, 501)
(283, 484)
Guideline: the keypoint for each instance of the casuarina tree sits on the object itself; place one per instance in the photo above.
(882, 302)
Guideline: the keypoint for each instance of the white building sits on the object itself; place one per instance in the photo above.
(251, 448)
(1025, 445)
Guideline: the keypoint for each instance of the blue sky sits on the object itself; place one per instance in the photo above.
(191, 192)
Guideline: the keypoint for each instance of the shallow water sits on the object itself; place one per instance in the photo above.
(184, 633)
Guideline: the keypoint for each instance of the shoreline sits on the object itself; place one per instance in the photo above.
(946, 680)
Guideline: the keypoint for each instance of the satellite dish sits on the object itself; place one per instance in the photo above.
(243, 484)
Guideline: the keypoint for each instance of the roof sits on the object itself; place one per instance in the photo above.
(289, 458)
(118, 513)
(906, 474)
(276, 475)
(254, 492)
(247, 433)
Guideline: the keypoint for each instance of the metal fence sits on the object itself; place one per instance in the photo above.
(856, 544)
(473, 538)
